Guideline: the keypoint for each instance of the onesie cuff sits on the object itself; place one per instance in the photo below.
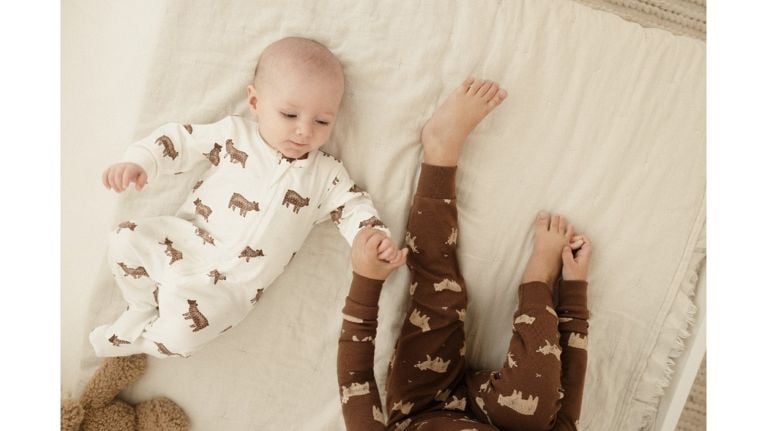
(142, 157)
(437, 182)
(365, 291)
(572, 299)
(535, 293)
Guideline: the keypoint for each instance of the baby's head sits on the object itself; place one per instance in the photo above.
(296, 94)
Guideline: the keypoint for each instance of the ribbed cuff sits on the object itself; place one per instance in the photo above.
(437, 182)
(365, 291)
(572, 299)
(535, 293)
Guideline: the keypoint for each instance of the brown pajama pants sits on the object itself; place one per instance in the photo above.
(429, 386)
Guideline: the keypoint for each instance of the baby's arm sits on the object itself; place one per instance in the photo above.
(169, 149)
(351, 209)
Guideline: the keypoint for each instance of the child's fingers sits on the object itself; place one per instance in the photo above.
(400, 259)
(385, 244)
(388, 254)
(584, 253)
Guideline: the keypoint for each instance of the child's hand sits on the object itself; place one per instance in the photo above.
(388, 251)
(575, 266)
(119, 176)
(365, 261)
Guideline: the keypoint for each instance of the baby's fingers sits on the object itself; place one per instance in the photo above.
(128, 176)
(115, 179)
(105, 178)
(141, 182)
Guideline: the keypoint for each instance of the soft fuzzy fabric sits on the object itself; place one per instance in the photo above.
(683, 17)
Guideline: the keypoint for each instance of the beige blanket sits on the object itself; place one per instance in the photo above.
(605, 123)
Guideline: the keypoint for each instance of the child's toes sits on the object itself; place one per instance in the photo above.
(569, 232)
(467, 84)
(475, 86)
(492, 92)
(542, 221)
(484, 88)
(554, 224)
(498, 98)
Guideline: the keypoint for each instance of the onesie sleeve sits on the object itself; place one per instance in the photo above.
(350, 207)
(360, 400)
(175, 147)
(573, 327)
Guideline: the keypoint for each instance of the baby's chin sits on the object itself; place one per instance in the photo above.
(293, 153)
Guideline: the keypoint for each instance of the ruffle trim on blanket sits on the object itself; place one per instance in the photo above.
(675, 329)
(683, 17)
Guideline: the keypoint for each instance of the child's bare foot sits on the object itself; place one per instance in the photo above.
(456, 117)
(552, 234)
(575, 266)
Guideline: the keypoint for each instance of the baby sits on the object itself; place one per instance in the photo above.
(189, 277)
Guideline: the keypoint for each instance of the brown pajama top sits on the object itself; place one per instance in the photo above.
(429, 386)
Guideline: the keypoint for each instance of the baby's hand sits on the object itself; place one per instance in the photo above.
(365, 260)
(119, 176)
(575, 266)
(388, 251)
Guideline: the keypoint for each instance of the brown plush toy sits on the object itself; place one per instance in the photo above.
(98, 410)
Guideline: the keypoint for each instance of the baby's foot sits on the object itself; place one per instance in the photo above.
(552, 234)
(456, 117)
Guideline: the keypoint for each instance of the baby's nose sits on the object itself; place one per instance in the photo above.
(304, 129)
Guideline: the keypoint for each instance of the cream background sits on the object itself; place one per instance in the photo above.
(104, 57)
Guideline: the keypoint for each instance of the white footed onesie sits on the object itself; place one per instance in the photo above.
(189, 277)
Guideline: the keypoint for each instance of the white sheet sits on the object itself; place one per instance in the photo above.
(605, 122)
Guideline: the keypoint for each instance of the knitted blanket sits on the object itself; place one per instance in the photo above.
(684, 17)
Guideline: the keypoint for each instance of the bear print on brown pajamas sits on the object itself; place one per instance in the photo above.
(429, 383)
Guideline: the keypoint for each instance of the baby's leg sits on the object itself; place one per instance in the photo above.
(146, 256)
(525, 394)
(428, 362)
(193, 313)
(134, 258)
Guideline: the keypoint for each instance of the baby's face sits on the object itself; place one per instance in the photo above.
(296, 112)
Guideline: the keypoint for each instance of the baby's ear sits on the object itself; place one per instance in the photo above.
(252, 99)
